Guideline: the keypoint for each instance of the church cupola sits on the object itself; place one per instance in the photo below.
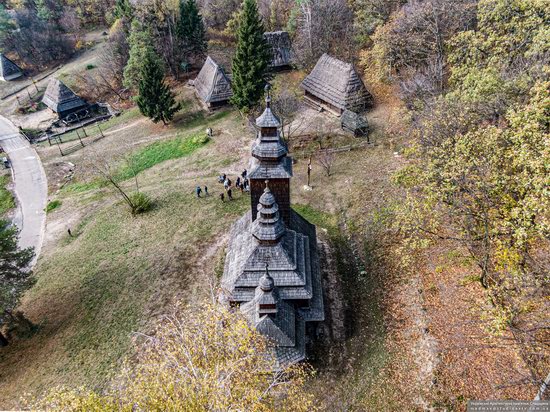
(268, 227)
(266, 303)
(270, 162)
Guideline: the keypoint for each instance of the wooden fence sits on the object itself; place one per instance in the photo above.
(66, 150)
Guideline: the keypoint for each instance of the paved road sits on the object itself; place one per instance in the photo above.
(30, 187)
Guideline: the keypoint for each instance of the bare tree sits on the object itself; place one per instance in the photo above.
(326, 159)
(111, 172)
(323, 26)
(286, 106)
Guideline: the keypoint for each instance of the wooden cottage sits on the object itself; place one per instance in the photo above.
(62, 100)
(272, 271)
(212, 85)
(335, 86)
(281, 49)
(8, 69)
(355, 123)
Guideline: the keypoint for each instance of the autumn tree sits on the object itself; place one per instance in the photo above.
(323, 26)
(154, 99)
(205, 358)
(250, 69)
(15, 277)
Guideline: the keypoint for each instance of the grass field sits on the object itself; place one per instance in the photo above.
(7, 202)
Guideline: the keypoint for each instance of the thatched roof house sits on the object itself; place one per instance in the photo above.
(212, 85)
(335, 85)
(281, 49)
(272, 269)
(8, 69)
(62, 100)
(354, 123)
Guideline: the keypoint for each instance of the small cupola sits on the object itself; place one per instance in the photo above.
(268, 227)
(268, 123)
(267, 295)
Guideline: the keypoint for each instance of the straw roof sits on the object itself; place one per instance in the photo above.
(281, 48)
(8, 69)
(337, 83)
(212, 84)
(60, 98)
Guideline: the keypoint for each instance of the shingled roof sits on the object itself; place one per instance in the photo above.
(337, 83)
(61, 99)
(281, 48)
(272, 266)
(8, 69)
(354, 123)
(212, 84)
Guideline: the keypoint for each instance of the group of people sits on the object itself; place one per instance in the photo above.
(241, 183)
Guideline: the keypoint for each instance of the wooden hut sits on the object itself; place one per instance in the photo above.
(212, 85)
(281, 49)
(62, 100)
(8, 69)
(335, 86)
(354, 123)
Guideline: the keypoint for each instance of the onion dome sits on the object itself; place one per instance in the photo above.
(268, 226)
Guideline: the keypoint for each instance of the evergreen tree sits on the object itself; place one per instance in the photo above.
(14, 277)
(155, 100)
(140, 43)
(190, 29)
(123, 10)
(251, 62)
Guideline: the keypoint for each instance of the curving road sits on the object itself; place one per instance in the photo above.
(30, 186)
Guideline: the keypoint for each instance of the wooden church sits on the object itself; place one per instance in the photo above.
(272, 265)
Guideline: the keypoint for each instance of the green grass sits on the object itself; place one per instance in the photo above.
(7, 202)
(159, 152)
(54, 204)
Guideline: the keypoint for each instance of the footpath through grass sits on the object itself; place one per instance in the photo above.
(145, 158)
(159, 152)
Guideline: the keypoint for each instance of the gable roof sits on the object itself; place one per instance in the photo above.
(337, 83)
(281, 48)
(60, 98)
(212, 84)
(8, 69)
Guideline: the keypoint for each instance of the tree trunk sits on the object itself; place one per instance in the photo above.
(3, 340)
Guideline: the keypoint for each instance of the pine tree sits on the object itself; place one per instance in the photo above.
(140, 43)
(250, 69)
(190, 29)
(123, 10)
(155, 100)
(14, 277)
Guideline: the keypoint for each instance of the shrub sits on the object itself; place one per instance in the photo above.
(54, 204)
(140, 203)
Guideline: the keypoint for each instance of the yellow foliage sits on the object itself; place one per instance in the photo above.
(205, 359)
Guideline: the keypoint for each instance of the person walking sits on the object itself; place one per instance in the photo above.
(238, 181)
(229, 194)
(222, 197)
(205, 190)
(198, 190)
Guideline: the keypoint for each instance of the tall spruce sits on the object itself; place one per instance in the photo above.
(250, 69)
(191, 30)
(155, 100)
(140, 43)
